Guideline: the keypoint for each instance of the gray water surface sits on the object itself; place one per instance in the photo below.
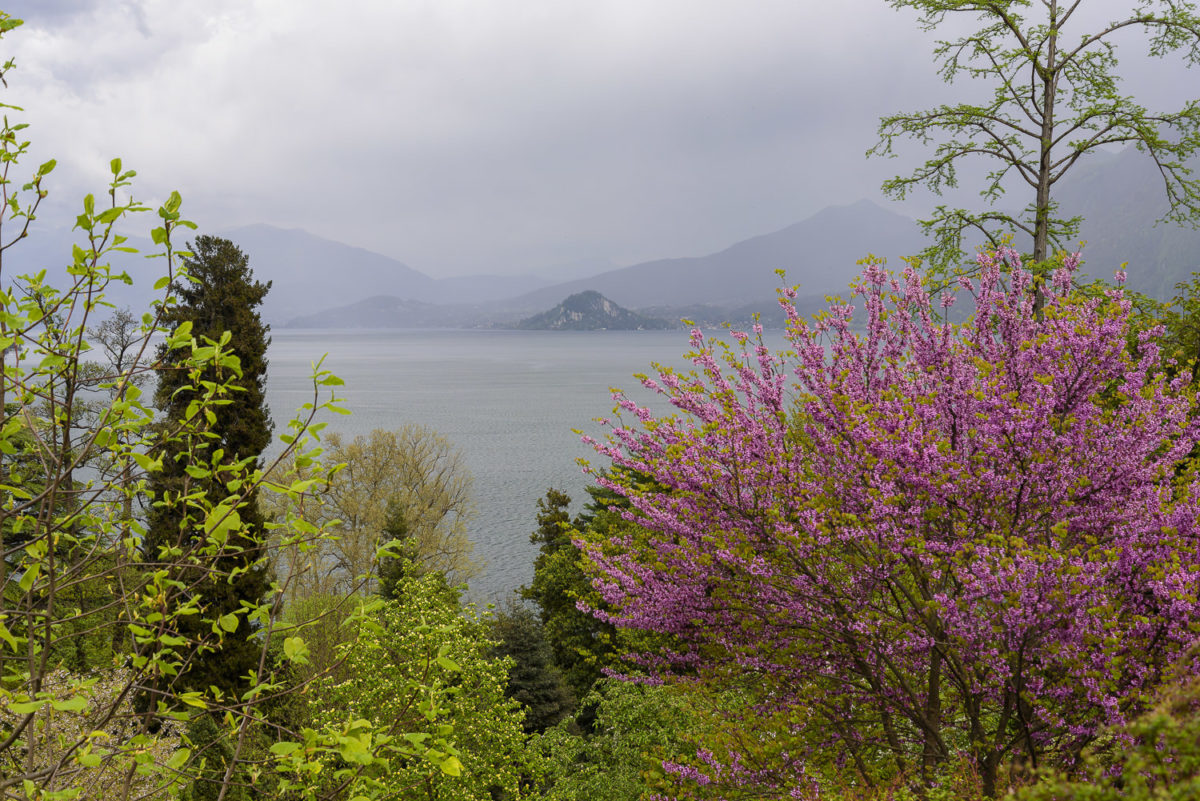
(507, 399)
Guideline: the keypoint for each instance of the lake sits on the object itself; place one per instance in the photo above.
(509, 400)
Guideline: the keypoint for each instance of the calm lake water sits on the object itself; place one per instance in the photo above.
(507, 399)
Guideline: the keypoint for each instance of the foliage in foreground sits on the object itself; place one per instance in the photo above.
(1155, 758)
(919, 548)
(419, 669)
(632, 729)
(87, 624)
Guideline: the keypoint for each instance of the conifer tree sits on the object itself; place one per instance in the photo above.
(218, 295)
(533, 679)
(581, 644)
(395, 569)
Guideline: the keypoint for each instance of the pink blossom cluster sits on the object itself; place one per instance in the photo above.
(930, 541)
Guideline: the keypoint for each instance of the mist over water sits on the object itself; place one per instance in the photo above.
(507, 399)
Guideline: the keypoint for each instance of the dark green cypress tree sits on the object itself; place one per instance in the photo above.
(220, 295)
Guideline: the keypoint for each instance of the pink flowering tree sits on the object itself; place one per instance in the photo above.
(911, 548)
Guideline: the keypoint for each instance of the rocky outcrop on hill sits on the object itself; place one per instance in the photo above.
(590, 311)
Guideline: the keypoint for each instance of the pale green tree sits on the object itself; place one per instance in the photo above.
(398, 659)
(410, 479)
(1055, 96)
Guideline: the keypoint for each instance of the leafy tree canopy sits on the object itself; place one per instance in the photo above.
(409, 486)
(914, 546)
(1055, 97)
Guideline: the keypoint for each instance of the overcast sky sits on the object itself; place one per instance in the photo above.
(464, 136)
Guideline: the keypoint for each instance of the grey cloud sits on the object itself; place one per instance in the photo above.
(473, 136)
(35, 12)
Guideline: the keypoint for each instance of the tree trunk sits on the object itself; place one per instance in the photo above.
(1041, 229)
(932, 752)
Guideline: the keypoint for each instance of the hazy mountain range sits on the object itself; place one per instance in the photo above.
(1120, 197)
(321, 283)
(819, 254)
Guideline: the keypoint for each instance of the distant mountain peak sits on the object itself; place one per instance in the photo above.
(589, 311)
